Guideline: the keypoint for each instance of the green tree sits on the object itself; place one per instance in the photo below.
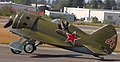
(18, 1)
(78, 3)
(118, 5)
(94, 4)
(59, 4)
(42, 1)
(100, 4)
(107, 4)
(114, 4)
(48, 2)
(2, 0)
(110, 4)
(6, 11)
(69, 3)
(87, 5)
(24, 2)
(74, 3)
(27, 2)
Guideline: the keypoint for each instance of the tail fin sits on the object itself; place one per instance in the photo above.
(107, 37)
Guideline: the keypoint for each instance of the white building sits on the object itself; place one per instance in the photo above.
(34, 5)
(108, 16)
(68, 17)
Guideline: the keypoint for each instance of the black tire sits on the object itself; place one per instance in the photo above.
(29, 48)
(102, 58)
(15, 51)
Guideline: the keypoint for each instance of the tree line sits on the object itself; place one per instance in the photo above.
(94, 4)
(99, 4)
(59, 4)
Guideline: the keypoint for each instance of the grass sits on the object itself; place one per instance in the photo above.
(4, 17)
(6, 37)
(118, 45)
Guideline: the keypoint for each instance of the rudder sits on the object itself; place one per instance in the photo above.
(107, 37)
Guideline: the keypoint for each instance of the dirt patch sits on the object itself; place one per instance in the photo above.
(6, 37)
(4, 17)
(118, 45)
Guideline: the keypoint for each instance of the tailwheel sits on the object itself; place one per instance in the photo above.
(29, 48)
(15, 51)
(101, 58)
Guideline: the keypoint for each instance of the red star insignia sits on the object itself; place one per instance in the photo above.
(111, 41)
(72, 37)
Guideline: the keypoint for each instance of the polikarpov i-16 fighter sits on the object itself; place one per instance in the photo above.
(32, 28)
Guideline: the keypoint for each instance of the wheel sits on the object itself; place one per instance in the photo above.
(15, 51)
(29, 48)
(102, 58)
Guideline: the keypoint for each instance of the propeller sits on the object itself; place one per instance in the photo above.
(9, 23)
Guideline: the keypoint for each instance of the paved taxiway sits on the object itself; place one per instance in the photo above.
(52, 55)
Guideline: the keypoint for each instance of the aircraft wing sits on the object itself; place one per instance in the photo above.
(19, 32)
(27, 33)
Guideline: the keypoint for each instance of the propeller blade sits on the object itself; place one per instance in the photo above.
(9, 23)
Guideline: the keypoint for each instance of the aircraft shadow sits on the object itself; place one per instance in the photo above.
(53, 56)
(70, 56)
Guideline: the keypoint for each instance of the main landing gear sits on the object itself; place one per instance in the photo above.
(29, 48)
(26, 45)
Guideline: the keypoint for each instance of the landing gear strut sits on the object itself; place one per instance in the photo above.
(28, 45)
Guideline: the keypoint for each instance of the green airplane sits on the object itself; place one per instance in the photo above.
(35, 30)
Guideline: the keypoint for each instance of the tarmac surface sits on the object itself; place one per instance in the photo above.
(43, 54)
